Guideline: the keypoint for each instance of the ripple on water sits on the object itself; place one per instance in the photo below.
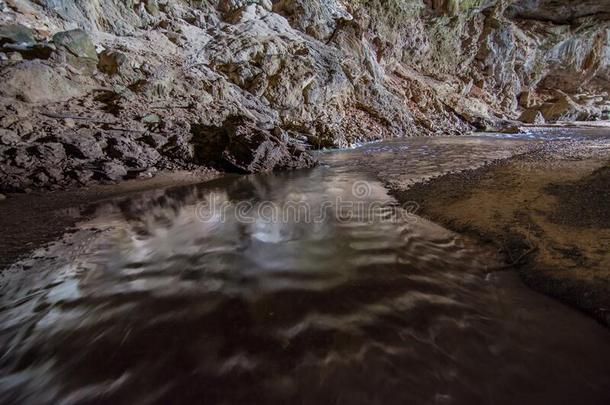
(147, 303)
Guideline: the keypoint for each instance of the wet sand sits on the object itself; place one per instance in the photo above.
(546, 210)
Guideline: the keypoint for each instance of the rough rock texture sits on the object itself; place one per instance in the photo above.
(120, 88)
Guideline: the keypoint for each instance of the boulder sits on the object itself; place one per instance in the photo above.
(563, 108)
(37, 82)
(81, 146)
(154, 140)
(16, 34)
(77, 48)
(241, 146)
(532, 116)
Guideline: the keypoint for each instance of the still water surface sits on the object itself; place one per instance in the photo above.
(309, 287)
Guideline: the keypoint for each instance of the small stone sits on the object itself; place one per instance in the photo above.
(2, 197)
(148, 173)
(69, 122)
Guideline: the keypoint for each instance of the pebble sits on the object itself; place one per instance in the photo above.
(2, 197)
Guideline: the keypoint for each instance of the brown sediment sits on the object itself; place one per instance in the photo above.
(32, 220)
(547, 211)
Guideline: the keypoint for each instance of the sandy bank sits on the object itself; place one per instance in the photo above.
(548, 212)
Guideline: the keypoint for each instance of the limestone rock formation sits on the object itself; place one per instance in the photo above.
(113, 88)
(241, 146)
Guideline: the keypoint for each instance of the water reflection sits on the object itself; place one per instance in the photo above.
(156, 300)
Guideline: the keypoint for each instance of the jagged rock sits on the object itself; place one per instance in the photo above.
(134, 154)
(179, 149)
(330, 72)
(319, 19)
(527, 99)
(154, 140)
(52, 152)
(81, 146)
(241, 146)
(18, 42)
(82, 175)
(235, 5)
(112, 170)
(558, 11)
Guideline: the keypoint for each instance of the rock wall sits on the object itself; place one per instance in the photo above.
(103, 90)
